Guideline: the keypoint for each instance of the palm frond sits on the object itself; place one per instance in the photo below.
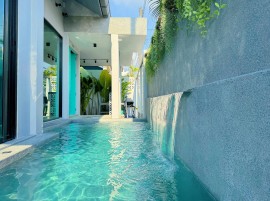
(155, 7)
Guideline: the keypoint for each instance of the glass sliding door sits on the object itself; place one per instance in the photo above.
(8, 69)
(52, 74)
(1, 66)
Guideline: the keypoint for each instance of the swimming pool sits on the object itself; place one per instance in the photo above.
(100, 161)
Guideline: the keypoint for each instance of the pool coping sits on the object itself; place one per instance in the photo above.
(18, 148)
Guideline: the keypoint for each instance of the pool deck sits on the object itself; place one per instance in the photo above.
(16, 149)
(20, 148)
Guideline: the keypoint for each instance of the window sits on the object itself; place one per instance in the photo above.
(8, 69)
(1, 65)
(52, 70)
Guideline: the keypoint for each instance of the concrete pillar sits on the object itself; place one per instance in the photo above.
(30, 67)
(65, 77)
(116, 79)
(39, 9)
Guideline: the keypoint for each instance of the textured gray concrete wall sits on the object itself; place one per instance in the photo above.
(222, 129)
(238, 43)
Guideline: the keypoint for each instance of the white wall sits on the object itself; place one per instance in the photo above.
(30, 64)
(140, 94)
(30, 59)
(54, 16)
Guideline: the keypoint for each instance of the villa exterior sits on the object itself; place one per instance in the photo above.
(43, 43)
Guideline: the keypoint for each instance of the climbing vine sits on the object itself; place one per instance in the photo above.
(196, 13)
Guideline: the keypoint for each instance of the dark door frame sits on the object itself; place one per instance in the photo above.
(10, 70)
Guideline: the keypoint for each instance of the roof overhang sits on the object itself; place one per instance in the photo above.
(97, 8)
(84, 32)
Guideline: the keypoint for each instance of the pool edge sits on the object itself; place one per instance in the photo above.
(19, 150)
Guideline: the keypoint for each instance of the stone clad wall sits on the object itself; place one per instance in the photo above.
(221, 125)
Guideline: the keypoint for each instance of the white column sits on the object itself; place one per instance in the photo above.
(116, 79)
(30, 67)
(39, 9)
(65, 77)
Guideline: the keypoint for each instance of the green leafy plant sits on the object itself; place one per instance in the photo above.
(105, 81)
(155, 53)
(91, 89)
(124, 89)
(132, 71)
(169, 13)
(155, 7)
(86, 83)
(50, 71)
(199, 12)
(168, 27)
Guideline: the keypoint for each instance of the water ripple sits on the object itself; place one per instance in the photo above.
(116, 161)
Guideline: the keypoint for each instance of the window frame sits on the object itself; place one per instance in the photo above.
(46, 22)
(10, 70)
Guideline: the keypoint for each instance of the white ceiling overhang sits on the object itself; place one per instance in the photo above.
(100, 8)
(84, 32)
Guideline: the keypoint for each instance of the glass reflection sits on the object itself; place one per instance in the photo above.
(51, 73)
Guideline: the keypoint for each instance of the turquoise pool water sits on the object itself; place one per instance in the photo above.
(103, 161)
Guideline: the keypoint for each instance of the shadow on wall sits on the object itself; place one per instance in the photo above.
(164, 118)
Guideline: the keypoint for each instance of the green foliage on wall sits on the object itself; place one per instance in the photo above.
(199, 12)
(155, 54)
(196, 13)
(105, 80)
